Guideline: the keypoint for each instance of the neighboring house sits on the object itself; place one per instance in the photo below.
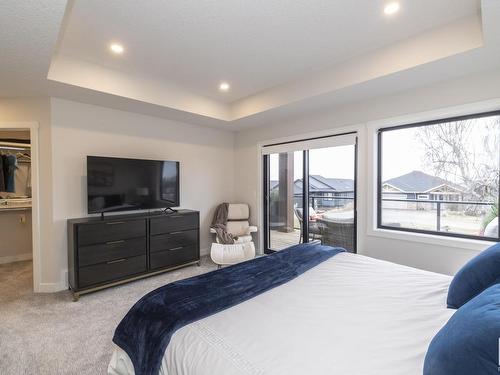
(324, 192)
(418, 185)
(331, 192)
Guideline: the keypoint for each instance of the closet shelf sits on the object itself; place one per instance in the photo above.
(14, 204)
(24, 146)
(15, 209)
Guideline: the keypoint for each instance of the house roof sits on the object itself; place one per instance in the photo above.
(319, 183)
(337, 184)
(418, 181)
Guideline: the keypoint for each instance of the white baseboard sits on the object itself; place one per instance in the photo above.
(204, 252)
(49, 288)
(16, 258)
(55, 287)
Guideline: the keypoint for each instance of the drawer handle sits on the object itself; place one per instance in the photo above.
(176, 248)
(116, 261)
(175, 216)
(115, 222)
(115, 242)
(178, 232)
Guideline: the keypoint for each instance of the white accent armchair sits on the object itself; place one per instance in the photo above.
(237, 225)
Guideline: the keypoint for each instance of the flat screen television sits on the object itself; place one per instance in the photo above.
(116, 184)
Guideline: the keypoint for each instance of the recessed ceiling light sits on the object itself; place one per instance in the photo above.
(391, 8)
(224, 86)
(116, 48)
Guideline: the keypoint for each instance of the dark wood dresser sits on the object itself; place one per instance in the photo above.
(108, 251)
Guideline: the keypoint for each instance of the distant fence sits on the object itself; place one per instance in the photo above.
(436, 206)
(318, 201)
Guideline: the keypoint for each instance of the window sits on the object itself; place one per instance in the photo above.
(441, 177)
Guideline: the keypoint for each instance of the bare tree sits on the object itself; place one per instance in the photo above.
(465, 152)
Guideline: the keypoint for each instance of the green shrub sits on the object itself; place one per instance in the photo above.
(490, 216)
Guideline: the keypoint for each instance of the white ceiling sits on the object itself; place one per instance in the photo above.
(280, 57)
(28, 32)
(253, 44)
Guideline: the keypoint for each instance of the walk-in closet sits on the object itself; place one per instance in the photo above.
(15, 203)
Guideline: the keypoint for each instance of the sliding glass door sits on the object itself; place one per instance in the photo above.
(285, 185)
(331, 195)
(321, 207)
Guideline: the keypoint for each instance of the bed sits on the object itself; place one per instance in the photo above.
(350, 314)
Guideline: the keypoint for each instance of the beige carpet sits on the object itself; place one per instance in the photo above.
(50, 334)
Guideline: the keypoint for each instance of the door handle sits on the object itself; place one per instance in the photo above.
(116, 261)
(115, 242)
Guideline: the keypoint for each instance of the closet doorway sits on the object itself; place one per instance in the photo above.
(18, 209)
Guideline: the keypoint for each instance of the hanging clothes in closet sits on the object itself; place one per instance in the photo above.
(23, 175)
(2, 176)
(15, 174)
(9, 172)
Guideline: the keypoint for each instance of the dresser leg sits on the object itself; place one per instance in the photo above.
(198, 263)
(76, 297)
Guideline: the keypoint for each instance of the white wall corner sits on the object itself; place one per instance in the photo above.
(205, 251)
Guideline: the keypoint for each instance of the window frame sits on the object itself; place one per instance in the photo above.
(379, 191)
(265, 174)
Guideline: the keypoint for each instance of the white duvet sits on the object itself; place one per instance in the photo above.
(349, 315)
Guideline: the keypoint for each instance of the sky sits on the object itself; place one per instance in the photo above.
(402, 153)
(336, 162)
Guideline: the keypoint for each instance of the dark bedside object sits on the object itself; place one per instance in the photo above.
(113, 250)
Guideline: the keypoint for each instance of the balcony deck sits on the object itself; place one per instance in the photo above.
(281, 240)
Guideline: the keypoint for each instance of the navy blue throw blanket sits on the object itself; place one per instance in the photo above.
(145, 331)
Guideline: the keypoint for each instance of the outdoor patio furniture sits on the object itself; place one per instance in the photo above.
(314, 231)
(337, 233)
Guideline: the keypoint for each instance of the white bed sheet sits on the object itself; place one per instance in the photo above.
(349, 315)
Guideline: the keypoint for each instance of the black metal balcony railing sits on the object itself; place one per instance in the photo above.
(318, 201)
(315, 198)
(438, 204)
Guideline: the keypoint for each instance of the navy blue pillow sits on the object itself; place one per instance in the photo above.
(478, 274)
(468, 343)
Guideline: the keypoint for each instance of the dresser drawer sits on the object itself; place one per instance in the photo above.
(98, 233)
(174, 239)
(111, 271)
(174, 257)
(111, 250)
(173, 223)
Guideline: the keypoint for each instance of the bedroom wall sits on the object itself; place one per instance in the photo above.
(38, 110)
(439, 258)
(221, 164)
(78, 130)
